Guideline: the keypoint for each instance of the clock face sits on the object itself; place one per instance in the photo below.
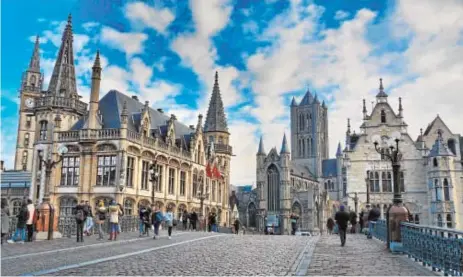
(29, 102)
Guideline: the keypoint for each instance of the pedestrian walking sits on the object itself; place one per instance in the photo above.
(141, 225)
(89, 220)
(373, 216)
(100, 218)
(5, 219)
(342, 220)
(330, 225)
(169, 219)
(31, 221)
(293, 218)
(353, 222)
(146, 221)
(156, 218)
(185, 217)
(80, 214)
(114, 214)
(193, 220)
(361, 221)
(213, 221)
(20, 234)
(237, 226)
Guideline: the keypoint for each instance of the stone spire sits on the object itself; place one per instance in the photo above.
(365, 113)
(339, 151)
(284, 146)
(215, 119)
(63, 79)
(381, 96)
(307, 99)
(261, 150)
(34, 65)
(95, 93)
(293, 102)
(400, 107)
(348, 126)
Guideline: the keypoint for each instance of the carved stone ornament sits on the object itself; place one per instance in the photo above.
(133, 150)
(148, 154)
(73, 148)
(106, 147)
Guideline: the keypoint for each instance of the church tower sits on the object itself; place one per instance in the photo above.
(216, 132)
(31, 87)
(309, 132)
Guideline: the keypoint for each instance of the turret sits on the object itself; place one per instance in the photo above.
(365, 113)
(381, 97)
(95, 93)
(348, 133)
(400, 108)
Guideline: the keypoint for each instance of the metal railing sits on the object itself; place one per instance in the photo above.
(379, 230)
(439, 248)
(67, 225)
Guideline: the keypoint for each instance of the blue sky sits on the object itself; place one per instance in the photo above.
(266, 52)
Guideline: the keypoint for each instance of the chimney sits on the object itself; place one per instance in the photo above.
(160, 110)
(134, 97)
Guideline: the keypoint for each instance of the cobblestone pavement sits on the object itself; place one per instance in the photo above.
(359, 257)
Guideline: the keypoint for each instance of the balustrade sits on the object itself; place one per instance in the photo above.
(86, 134)
(61, 102)
(223, 148)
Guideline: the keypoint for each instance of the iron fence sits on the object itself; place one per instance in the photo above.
(439, 248)
(379, 230)
(67, 225)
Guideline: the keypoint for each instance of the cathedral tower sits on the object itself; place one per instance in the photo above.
(309, 132)
(31, 87)
(216, 132)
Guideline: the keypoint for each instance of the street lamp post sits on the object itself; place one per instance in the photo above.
(46, 225)
(202, 195)
(356, 201)
(397, 212)
(154, 176)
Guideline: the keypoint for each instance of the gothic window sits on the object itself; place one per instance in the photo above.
(372, 181)
(252, 215)
(70, 171)
(220, 140)
(312, 151)
(207, 188)
(309, 149)
(106, 173)
(195, 184)
(273, 181)
(439, 221)
(24, 160)
(128, 207)
(385, 207)
(451, 144)
(384, 153)
(326, 186)
(437, 189)
(158, 184)
(219, 188)
(383, 116)
(182, 183)
(402, 181)
(26, 140)
(129, 172)
(301, 122)
(446, 190)
(449, 221)
(33, 80)
(145, 168)
(43, 130)
(386, 181)
(434, 162)
(67, 205)
(303, 147)
(171, 181)
(376, 182)
(28, 121)
(300, 148)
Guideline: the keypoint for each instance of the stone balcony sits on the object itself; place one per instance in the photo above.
(88, 134)
(62, 103)
(223, 149)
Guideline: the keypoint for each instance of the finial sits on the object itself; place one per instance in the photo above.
(97, 59)
(400, 104)
(348, 125)
(147, 103)
(381, 88)
(421, 131)
(216, 77)
(364, 106)
(200, 116)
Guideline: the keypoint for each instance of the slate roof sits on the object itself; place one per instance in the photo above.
(284, 145)
(329, 168)
(111, 105)
(300, 169)
(15, 179)
(307, 100)
(439, 148)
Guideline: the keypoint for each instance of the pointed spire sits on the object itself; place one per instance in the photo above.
(200, 123)
(261, 150)
(63, 79)
(284, 146)
(323, 104)
(400, 107)
(315, 100)
(339, 151)
(364, 110)
(293, 102)
(34, 65)
(97, 64)
(307, 99)
(348, 126)
(381, 93)
(216, 120)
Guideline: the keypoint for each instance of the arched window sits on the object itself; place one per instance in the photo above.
(220, 140)
(439, 220)
(26, 140)
(417, 219)
(16, 205)
(66, 206)
(326, 186)
(273, 181)
(252, 215)
(376, 182)
(449, 221)
(452, 147)
(383, 116)
(434, 162)
(446, 190)
(309, 148)
(33, 80)
(303, 148)
(438, 190)
(195, 184)
(43, 130)
(24, 160)
(372, 181)
(128, 207)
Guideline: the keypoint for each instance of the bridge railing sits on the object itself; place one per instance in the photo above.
(441, 249)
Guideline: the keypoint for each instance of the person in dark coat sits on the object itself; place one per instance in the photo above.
(293, 218)
(80, 214)
(373, 216)
(353, 221)
(237, 226)
(361, 221)
(330, 225)
(342, 219)
(193, 220)
(185, 218)
(20, 234)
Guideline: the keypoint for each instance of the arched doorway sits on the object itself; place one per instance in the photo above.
(273, 192)
(297, 210)
(252, 214)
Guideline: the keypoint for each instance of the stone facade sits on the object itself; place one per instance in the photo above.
(432, 191)
(120, 148)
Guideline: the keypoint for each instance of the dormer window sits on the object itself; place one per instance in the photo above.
(383, 116)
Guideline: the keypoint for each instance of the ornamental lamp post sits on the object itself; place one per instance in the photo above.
(397, 212)
(202, 195)
(154, 176)
(47, 225)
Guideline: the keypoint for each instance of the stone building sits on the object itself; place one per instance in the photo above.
(431, 166)
(116, 144)
(304, 180)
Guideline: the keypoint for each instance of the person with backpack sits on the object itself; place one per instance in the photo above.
(100, 218)
(20, 234)
(169, 218)
(156, 218)
(80, 213)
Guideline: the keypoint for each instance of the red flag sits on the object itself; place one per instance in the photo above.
(208, 171)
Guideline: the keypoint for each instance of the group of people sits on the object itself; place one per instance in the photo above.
(26, 222)
(152, 217)
(343, 218)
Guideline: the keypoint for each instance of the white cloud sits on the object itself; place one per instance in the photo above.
(340, 15)
(129, 43)
(158, 19)
(89, 26)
